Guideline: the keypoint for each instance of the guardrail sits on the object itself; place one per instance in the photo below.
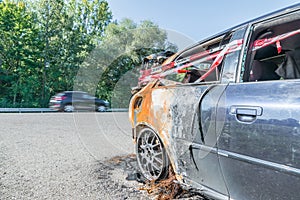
(47, 110)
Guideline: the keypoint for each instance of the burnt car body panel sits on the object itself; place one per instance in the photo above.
(236, 137)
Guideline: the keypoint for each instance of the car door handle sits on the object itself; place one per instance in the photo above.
(246, 113)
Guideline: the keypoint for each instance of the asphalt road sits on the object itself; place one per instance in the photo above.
(66, 156)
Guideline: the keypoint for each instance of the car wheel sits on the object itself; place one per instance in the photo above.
(151, 156)
(101, 108)
(69, 108)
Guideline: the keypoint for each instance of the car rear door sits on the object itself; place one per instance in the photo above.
(78, 100)
(197, 162)
(194, 117)
(88, 102)
(204, 164)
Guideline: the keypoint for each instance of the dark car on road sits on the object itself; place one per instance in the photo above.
(224, 114)
(70, 101)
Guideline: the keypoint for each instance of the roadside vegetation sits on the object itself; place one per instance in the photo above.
(44, 44)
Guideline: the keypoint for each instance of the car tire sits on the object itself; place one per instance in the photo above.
(101, 108)
(152, 158)
(69, 108)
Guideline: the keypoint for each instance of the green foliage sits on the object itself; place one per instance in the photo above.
(42, 45)
(51, 46)
(70, 31)
(19, 75)
(125, 45)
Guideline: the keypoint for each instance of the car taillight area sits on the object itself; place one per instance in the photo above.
(59, 98)
(55, 101)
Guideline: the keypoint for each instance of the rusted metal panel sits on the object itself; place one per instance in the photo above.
(170, 112)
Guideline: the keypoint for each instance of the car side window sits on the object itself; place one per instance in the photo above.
(197, 61)
(274, 50)
(77, 95)
(204, 62)
(87, 96)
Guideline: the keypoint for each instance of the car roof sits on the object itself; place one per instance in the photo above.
(74, 92)
(261, 18)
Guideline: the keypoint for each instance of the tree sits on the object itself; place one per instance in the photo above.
(48, 46)
(123, 48)
(42, 45)
(19, 72)
(69, 31)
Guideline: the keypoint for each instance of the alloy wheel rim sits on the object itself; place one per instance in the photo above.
(150, 155)
(101, 108)
(69, 108)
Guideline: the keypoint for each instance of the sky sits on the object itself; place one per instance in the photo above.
(189, 21)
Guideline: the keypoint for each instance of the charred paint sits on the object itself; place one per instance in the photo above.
(170, 112)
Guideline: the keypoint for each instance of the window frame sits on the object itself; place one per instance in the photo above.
(213, 46)
(254, 30)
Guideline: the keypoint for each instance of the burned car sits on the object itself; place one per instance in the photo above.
(152, 64)
(224, 114)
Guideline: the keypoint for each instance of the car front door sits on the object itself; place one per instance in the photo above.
(88, 102)
(259, 146)
(258, 118)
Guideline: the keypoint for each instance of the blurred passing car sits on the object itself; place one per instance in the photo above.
(70, 101)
